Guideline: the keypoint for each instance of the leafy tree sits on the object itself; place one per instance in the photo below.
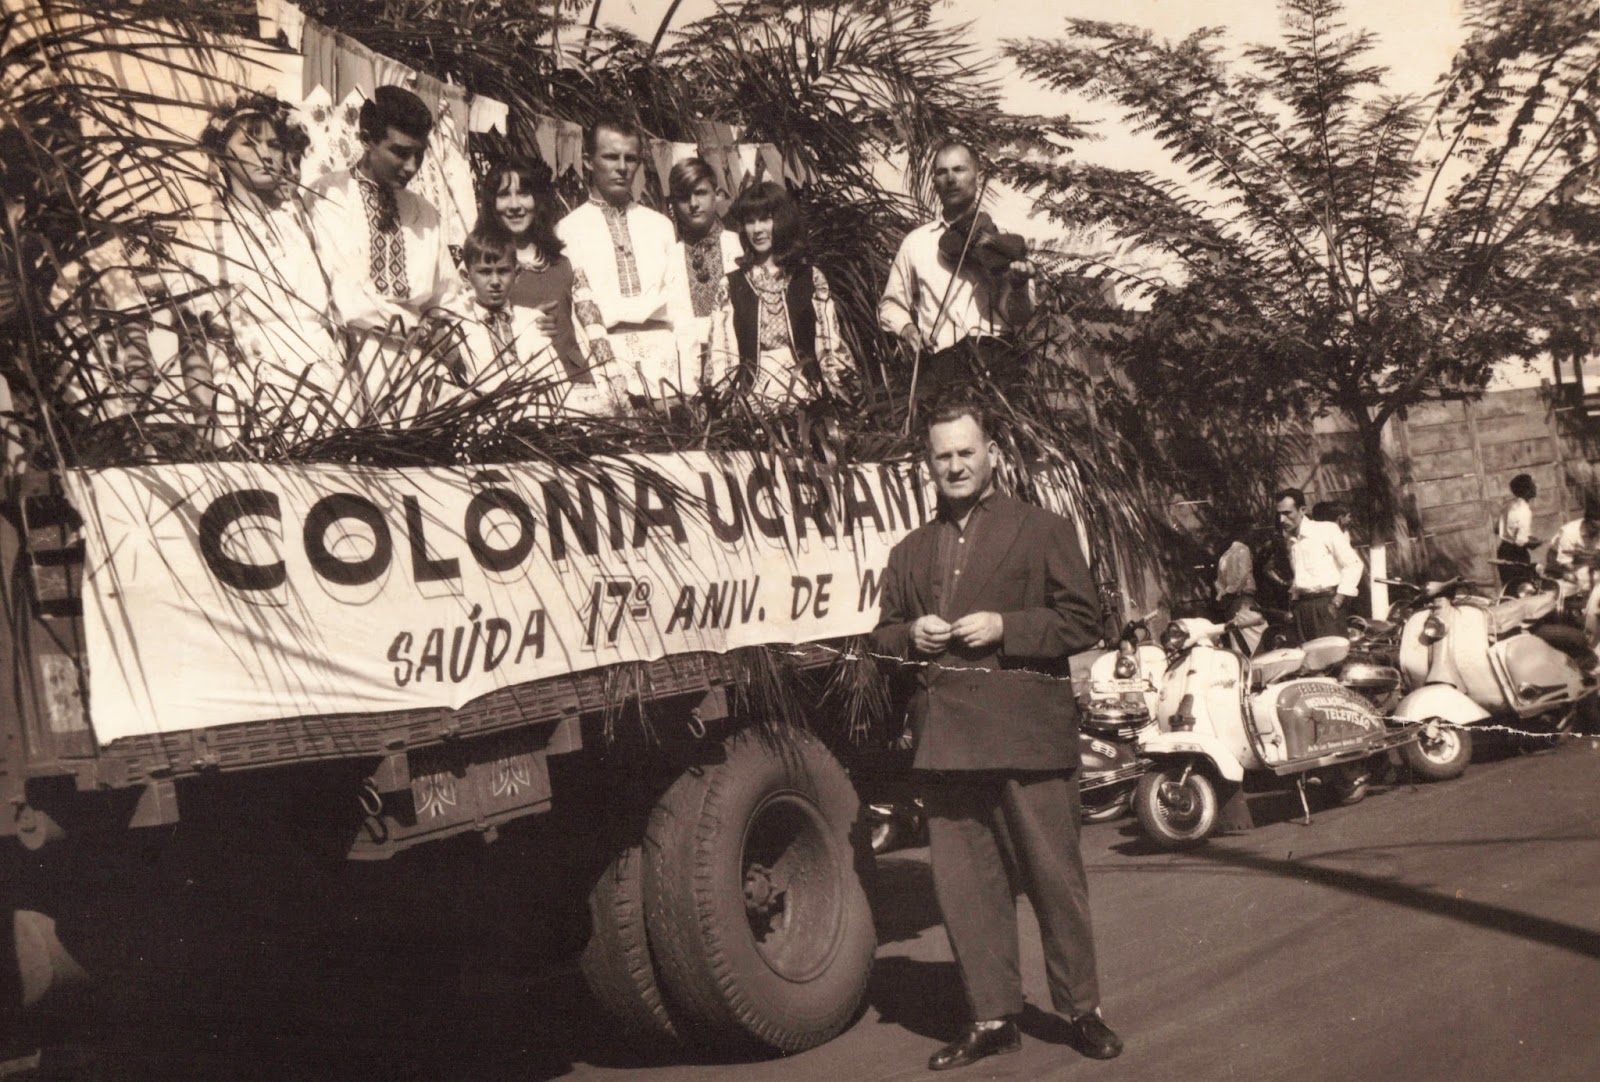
(1332, 247)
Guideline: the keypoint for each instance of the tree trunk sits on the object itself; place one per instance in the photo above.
(1377, 512)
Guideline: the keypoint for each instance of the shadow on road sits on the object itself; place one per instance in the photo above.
(1568, 937)
(923, 997)
(903, 905)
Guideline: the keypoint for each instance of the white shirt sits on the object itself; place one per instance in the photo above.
(1568, 546)
(1323, 559)
(344, 241)
(527, 352)
(590, 247)
(1516, 522)
(920, 291)
(695, 331)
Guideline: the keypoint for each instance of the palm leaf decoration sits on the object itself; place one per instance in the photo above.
(854, 92)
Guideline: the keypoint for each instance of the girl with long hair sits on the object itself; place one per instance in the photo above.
(520, 196)
(775, 336)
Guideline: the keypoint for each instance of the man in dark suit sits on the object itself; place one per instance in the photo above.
(989, 599)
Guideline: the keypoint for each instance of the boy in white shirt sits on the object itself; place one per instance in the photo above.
(503, 344)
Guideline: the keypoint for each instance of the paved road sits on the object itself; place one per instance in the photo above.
(1438, 932)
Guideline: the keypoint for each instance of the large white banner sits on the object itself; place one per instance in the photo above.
(223, 593)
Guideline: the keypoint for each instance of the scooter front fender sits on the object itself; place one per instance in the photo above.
(1440, 701)
(1184, 744)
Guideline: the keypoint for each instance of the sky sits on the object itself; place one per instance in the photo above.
(1416, 39)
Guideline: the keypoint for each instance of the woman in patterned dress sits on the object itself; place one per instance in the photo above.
(258, 347)
(775, 336)
(520, 196)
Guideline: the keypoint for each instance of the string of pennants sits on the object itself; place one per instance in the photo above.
(337, 65)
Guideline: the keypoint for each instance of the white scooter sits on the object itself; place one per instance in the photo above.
(1469, 660)
(1223, 717)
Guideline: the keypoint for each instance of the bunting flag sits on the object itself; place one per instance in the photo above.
(545, 131)
(660, 154)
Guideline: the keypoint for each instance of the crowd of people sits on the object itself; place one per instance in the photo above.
(303, 308)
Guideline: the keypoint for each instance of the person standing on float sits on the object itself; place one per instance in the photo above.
(385, 250)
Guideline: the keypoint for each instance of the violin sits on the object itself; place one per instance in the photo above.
(989, 250)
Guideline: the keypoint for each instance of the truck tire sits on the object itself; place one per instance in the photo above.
(758, 919)
(616, 961)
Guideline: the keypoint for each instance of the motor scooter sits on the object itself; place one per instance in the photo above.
(1223, 717)
(1469, 659)
(1120, 709)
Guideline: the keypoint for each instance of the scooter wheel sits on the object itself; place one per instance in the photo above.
(1440, 757)
(1176, 811)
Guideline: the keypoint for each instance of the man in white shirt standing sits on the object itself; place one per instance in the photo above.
(625, 250)
(388, 263)
(1327, 571)
(953, 313)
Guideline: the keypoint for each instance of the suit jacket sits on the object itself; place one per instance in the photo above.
(1008, 707)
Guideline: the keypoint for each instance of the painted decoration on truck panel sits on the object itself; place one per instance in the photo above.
(222, 593)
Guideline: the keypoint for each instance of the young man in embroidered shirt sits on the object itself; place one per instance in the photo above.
(384, 248)
(625, 250)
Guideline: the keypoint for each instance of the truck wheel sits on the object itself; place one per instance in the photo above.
(1174, 815)
(616, 961)
(759, 922)
(1441, 757)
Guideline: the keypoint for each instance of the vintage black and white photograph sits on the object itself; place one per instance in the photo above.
(799, 540)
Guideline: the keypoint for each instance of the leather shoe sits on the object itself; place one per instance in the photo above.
(1089, 1034)
(976, 1043)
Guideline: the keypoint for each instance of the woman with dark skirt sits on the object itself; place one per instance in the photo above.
(775, 336)
(1514, 530)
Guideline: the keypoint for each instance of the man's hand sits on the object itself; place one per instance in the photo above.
(1340, 601)
(978, 630)
(930, 634)
(912, 337)
(1020, 270)
(544, 318)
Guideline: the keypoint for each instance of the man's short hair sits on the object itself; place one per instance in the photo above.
(953, 407)
(685, 175)
(617, 122)
(488, 242)
(945, 145)
(1523, 488)
(1329, 511)
(1294, 494)
(394, 107)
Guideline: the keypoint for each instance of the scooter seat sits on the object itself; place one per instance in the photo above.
(1514, 613)
(1275, 665)
(1324, 653)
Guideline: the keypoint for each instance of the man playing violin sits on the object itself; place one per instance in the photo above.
(958, 287)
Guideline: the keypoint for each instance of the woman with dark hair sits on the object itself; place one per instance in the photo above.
(775, 336)
(520, 196)
(705, 253)
(258, 347)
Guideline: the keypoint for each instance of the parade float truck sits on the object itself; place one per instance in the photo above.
(391, 657)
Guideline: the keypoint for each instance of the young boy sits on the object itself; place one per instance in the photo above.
(502, 342)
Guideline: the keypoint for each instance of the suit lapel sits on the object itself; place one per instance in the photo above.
(1001, 526)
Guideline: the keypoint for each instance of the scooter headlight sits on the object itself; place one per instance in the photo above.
(1127, 666)
(1433, 629)
(1174, 638)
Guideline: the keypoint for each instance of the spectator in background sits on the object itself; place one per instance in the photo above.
(625, 250)
(258, 349)
(1327, 571)
(521, 198)
(385, 250)
(775, 336)
(1514, 530)
(704, 255)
